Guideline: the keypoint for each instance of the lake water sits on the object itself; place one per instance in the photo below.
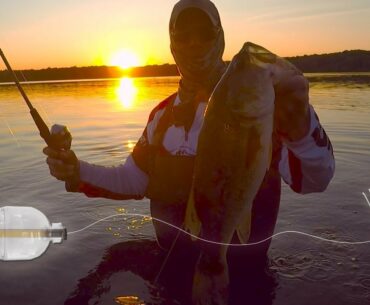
(106, 117)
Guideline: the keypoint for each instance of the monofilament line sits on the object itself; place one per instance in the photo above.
(10, 130)
(226, 244)
(367, 200)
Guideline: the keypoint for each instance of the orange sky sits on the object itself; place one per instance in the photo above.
(49, 33)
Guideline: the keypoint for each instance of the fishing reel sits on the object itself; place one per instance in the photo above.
(60, 137)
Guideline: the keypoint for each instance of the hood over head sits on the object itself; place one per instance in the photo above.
(199, 73)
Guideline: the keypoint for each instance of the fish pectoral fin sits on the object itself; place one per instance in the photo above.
(192, 222)
(244, 227)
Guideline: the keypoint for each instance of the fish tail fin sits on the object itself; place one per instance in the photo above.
(243, 229)
(192, 222)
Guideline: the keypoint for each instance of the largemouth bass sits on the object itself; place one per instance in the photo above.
(233, 156)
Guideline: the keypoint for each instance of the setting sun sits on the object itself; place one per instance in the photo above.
(125, 59)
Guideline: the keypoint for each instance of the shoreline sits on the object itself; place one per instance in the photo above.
(354, 61)
(312, 76)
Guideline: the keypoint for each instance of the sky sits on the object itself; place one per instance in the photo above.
(53, 33)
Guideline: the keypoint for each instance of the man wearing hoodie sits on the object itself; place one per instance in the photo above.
(161, 164)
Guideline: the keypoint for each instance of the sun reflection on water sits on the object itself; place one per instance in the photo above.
(126, 92)
(130, 145)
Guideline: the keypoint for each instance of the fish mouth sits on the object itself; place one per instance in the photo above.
(258, 55)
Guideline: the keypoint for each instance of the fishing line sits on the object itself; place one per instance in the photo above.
(10, 130)
(367, 200)
(166, 258)
(228, 244)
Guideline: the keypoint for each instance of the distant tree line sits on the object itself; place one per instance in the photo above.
(347, 61)
(92, 72)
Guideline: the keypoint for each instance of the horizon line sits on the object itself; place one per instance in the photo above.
(162, 64)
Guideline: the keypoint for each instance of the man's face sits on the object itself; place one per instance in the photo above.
(194, 34)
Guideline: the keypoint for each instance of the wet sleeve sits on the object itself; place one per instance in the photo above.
(126, 181)
(308, 165)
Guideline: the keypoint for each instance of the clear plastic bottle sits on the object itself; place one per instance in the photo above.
(25, 233)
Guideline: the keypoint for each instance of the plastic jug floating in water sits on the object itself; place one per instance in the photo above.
(25, 233)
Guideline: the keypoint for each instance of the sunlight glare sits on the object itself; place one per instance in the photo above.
(126, 92)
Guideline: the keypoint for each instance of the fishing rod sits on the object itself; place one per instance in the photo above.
(58, 137)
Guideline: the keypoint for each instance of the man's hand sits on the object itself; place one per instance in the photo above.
(292, 113)
(63, 164)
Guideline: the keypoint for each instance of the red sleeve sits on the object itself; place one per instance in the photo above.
(94, 191)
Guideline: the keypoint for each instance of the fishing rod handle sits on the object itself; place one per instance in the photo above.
(41, 126)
